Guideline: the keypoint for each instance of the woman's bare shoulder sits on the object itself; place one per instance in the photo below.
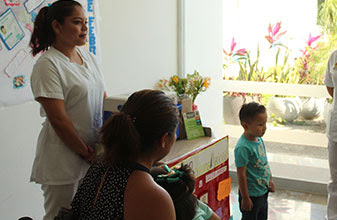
(144, 199)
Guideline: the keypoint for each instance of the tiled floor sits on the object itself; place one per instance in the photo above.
(285, 205)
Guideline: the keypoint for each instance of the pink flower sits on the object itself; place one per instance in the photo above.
(194, 107)
(270, 39)
(312, 39)
(160, 85)
(273, 34)
(307, 50)
(240, 52)
(233, 44)
(277, 28)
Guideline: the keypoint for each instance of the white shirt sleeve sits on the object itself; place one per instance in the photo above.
(46, 81)
(330, 66)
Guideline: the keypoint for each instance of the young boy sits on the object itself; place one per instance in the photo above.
(254, 176)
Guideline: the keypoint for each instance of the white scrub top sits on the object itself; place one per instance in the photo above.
(331, 81)
(82, 89)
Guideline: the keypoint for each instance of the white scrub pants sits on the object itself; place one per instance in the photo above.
(57, 196)
(332, 185)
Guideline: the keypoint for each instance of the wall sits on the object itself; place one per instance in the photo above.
(203, 52)
(139, 42)
(19, 128)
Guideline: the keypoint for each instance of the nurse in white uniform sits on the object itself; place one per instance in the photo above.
(68, 83)
(331, 130)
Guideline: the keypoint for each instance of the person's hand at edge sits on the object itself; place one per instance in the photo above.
(90, 156)
(246, 204)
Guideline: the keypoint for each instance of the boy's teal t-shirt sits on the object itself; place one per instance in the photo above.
(253, 155)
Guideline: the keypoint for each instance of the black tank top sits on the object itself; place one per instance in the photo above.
(110, 200)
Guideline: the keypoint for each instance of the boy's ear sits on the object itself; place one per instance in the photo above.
(244, 125)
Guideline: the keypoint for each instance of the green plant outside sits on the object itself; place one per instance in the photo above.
(306, 69)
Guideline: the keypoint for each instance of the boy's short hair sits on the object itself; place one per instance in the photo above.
(249, 111)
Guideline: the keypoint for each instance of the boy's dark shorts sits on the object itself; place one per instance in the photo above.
(260, 208)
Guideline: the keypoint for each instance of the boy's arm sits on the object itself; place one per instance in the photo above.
(271, 184)
(246, 203)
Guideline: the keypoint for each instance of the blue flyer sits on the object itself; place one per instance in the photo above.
(11, 32)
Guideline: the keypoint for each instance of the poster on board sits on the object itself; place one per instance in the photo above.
(16, 61)
(10, 31)
(210, 168)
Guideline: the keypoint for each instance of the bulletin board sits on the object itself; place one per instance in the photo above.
(210, 167)
(16, 61)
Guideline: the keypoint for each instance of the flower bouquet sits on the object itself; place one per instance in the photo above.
(189, 87)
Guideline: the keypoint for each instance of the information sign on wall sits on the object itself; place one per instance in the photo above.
(16, 62)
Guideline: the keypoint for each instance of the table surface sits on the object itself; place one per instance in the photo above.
(182, 147)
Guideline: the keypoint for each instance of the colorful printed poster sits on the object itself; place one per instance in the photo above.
(193, 125)
(19, 81)
(210, 168)
(16, 61)
(10, 31)
(31, 5)
(12, 2)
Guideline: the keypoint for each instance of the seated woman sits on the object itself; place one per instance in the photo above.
(180, 183)
(120, 186)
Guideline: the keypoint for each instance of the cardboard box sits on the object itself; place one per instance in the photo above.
(113, 104)
(186, 105)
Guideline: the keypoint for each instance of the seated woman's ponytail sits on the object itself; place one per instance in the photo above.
(120, 139)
